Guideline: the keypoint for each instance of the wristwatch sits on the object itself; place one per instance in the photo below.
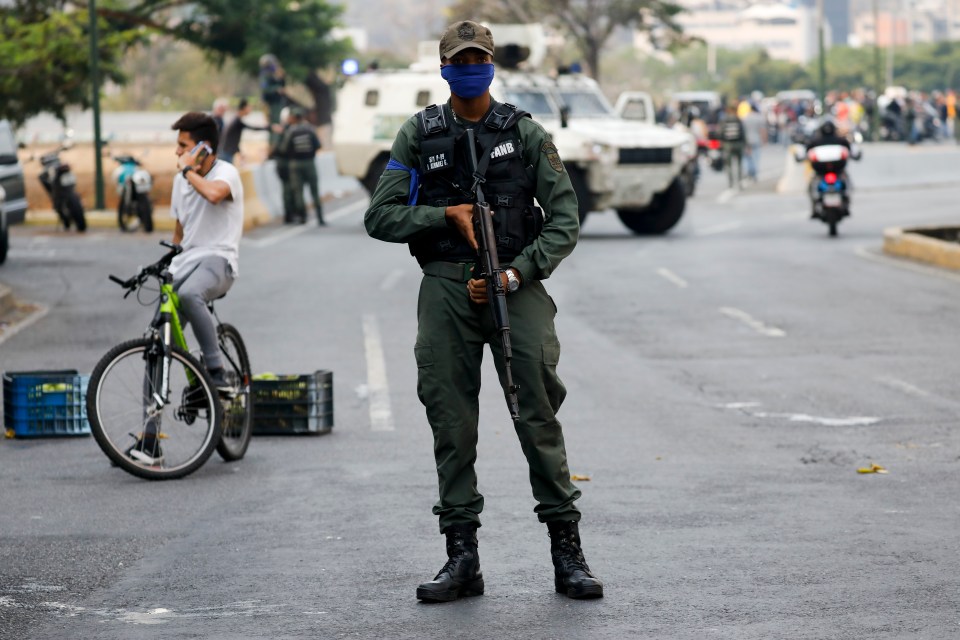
(513, 282)
(187, 170)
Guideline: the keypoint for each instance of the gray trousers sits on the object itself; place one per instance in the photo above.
(209, 280)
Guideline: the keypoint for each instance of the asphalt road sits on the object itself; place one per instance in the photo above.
(725, 383)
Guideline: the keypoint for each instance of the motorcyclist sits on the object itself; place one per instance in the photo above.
(827, 134)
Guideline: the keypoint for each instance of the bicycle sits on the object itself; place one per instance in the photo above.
(154, 391)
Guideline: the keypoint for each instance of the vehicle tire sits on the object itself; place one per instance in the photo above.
(75, 208)
(377, 167)
(832, 223)
(63, 213)
(145, 213)
(662, 214)
(4, 238)
(237, 408)
(578, 178)
(127, 218)
(120, 394)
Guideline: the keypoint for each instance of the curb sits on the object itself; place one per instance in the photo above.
(909, 243)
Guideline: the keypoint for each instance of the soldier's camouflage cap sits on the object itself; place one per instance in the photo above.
(465, 35)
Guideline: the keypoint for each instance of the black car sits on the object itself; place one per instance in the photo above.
(13, 195)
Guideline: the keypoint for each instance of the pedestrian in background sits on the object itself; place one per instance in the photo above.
(220, 106)
(732, 136)
(291, 212)
(230, 140)
(273, 91)
(754, 133)
(454, 320)
(299, 145)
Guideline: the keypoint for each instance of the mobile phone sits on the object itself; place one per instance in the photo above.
(204, 150)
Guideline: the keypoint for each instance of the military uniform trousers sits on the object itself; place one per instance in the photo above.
(292, 207)
(451, 335)
(304, 173)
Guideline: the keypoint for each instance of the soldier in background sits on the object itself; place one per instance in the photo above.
(296, 151)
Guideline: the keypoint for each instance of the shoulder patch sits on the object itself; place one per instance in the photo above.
(553, 156)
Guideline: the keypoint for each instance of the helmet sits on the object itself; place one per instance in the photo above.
(828, 128)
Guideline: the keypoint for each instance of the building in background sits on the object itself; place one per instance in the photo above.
(787, 30)
(904, 22)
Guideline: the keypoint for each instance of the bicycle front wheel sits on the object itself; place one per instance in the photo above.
(238, 403)
(133, 398)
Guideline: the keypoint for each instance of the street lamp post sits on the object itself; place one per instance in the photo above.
(823, 61)
(878, 77)
(95, 79)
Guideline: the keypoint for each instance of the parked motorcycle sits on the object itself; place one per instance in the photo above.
(829, 187)
(134, 209)
(60, 184)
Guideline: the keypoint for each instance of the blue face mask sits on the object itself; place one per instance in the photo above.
(468, 80)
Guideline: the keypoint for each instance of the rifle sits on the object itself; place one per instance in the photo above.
(490, 270)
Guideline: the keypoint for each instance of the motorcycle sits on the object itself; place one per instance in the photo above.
(829, 187)
(60, 184)
(134, 209)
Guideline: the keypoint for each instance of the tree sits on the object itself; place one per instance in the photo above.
(46, 59)
(589, 22)
(762, 73)
(46, 41)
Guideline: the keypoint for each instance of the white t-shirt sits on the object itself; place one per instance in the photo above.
(208, 229)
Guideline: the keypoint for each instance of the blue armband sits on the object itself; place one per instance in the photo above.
(414, 180)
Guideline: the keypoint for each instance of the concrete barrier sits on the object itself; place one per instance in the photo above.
(270, 190)
(796, 175)
(908, 243)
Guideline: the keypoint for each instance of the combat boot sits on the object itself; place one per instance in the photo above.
(460, 576)
(571, 574)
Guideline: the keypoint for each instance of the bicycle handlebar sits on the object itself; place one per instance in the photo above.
(153, 270)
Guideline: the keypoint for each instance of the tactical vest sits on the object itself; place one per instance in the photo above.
(301, 144)
(446, 179)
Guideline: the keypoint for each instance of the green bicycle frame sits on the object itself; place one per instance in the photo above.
(171, 332)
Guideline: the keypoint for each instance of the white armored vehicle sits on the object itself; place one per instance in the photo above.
(631, 167)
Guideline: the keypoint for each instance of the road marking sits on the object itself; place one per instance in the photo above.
(904, 386)
(753, 323)
(9, 331)
(392, 279)
(718, 229)
(381, 418)
(672, 277)
(855, 421)
(349, 210)
(279, 236)
(867, 254)
(286, 234)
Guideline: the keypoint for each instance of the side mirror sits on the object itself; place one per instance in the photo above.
(564, 116)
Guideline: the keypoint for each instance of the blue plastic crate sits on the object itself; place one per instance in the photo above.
(295, 404)
(45, 403)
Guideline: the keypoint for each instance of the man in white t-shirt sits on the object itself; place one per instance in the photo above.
(207, 203)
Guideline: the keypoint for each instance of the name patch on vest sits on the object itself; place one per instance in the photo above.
(508, 149)
(437, 161)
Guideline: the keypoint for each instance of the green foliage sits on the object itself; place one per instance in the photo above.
(762, 73)
(296, 31)
(46, 59)
(44, 44)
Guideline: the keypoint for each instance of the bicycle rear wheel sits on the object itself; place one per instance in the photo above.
(126, 406)
(238, 404)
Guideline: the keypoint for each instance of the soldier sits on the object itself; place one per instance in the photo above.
(423, 199)
(300, 145)
(293, 211)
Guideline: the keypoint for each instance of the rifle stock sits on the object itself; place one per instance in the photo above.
(489, 264)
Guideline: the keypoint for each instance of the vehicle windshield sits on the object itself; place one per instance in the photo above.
(538, 103)
(585, 104)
